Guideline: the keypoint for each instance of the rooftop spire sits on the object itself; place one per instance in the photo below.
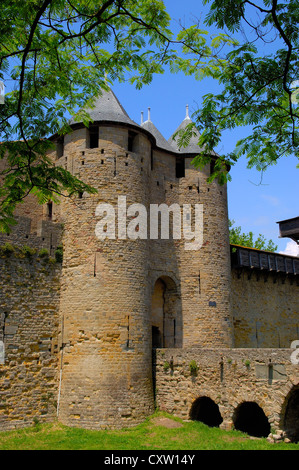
(141, 117)
(187, 112)
(149, 114)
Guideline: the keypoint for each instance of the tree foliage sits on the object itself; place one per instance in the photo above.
(237, 237)
(59, 54)
(257, 75)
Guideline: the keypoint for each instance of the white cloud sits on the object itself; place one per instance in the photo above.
(272, 200)
(291, 249)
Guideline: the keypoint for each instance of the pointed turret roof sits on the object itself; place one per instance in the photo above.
(161, 142)
(108, 108)
(193, 144)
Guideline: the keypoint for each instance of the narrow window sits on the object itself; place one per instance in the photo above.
(128, 332)
(93, 137)
(50, 210)
(180, 168)
(212, 166)
(59, 147)
(131, 138)
(130, 142)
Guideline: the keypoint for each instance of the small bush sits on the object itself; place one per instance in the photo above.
(193, 367)
(27, 251)
(7, 249)
(43, 253)
(59, 254)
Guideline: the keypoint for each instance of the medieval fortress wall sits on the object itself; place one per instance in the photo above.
(29, 329)
(79, 337)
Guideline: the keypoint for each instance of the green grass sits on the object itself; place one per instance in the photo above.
(159, 432)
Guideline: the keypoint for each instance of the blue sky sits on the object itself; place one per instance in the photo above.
(254, 205)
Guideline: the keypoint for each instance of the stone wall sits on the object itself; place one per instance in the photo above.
(229, 377)
(29, 293)
(265, 309)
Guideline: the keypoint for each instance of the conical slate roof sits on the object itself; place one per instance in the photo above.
(161, 142)
(107, 108)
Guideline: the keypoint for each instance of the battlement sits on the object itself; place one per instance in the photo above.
(48, 235)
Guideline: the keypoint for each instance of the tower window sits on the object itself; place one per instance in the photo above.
(212, 166)
(60, 147)
(50, 210)
(180, 168)
(93, 137)
(131, 138)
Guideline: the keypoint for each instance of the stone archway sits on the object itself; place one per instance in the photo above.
(250, 418)
(166, 318)
(290, 419)
(205, 410)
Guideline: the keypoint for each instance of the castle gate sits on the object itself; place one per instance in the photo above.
(166, 318)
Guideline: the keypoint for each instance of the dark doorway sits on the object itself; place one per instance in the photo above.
(166, 318)
(291, 417)
(204, 409)
(251, 419)
(156, 337)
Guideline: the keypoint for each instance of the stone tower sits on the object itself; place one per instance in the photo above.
(123, 295)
